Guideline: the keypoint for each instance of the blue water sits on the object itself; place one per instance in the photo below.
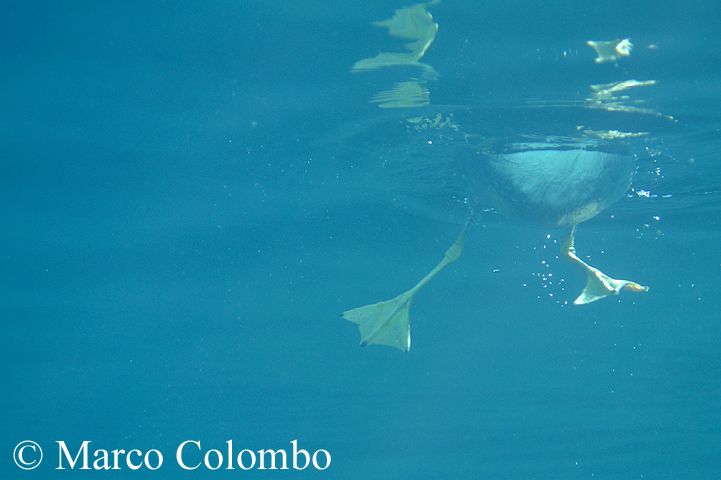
(193, 192)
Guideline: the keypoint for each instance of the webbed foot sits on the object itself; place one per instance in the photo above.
(598, 284)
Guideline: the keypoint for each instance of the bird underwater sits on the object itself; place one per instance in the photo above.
(551, 180)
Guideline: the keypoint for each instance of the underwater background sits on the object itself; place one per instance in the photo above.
(191, 196)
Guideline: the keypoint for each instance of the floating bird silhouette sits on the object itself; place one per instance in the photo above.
(552, 181)
(548, 184)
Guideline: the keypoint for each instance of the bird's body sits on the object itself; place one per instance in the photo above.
(558, 186)
(547, 183)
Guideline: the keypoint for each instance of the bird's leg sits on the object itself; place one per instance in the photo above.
(388, 322)
(598, 284)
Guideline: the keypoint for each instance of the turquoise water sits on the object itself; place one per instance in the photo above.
(193, 193)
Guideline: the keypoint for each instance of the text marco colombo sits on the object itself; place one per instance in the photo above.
(190, 455)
